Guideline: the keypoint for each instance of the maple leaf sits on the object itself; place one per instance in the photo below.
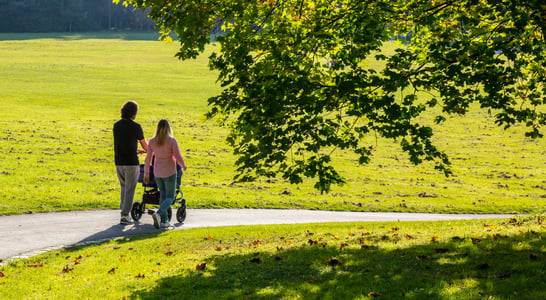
(201, 266)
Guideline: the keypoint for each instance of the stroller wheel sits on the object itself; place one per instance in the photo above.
(181, 212)
(136, 211)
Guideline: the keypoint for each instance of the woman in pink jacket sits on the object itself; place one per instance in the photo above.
(167, 154)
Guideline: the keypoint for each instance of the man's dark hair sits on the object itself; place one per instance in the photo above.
(129, 110)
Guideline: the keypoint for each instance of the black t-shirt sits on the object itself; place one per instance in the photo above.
(127, 133)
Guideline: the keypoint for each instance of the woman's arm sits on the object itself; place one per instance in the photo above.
(178, 155)
(147, 162)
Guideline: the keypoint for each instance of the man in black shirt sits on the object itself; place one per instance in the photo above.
(127, 135)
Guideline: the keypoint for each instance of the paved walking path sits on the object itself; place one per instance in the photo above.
(26, 235)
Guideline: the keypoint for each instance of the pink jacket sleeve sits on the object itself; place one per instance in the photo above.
(177, 155)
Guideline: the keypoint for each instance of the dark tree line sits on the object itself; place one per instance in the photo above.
(69, 16)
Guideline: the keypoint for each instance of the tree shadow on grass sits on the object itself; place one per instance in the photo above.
(500, 267)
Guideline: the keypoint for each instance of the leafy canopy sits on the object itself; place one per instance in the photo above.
(297, 85)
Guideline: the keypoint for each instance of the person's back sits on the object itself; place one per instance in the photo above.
(127, 135)
(165, 157)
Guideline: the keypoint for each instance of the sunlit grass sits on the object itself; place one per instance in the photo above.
(485, 259)
(60, 96)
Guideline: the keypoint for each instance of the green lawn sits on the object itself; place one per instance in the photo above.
(61, 94)
(486, 259)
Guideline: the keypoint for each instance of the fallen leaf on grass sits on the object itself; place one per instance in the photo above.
(332, 261)
(343, 245)
(374, 294)
(457, 239)
(140, 276)
(112, 271)
(503, 275)
(201, 266)
(218, 248)
(35, 265)
(2, 274)
(256, 260)
(408, 237)
(476, 240)
(67, 269)
(434, 238)
(168, 253)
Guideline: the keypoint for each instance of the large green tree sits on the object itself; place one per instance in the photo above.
(297, 86)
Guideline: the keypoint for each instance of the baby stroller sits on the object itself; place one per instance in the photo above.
(151, 196)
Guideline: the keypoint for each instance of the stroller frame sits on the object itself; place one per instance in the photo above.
(151, 196)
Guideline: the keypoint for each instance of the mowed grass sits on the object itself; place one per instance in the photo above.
(478, 259)
(59, 99)
(61, 94)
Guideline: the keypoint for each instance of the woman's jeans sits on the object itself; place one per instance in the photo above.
(167, 192)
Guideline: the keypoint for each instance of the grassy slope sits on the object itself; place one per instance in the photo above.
(61, 95)
(55, 120)
(494, 259)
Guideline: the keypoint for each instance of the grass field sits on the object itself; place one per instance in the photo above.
(61, 94)
(486, 259)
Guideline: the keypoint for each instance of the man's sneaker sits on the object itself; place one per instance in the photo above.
(125, 221)
(156, 218)
(166, 225)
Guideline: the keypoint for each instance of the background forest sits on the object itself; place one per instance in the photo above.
(70, 16)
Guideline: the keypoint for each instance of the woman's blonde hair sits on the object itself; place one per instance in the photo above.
(163, 131)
